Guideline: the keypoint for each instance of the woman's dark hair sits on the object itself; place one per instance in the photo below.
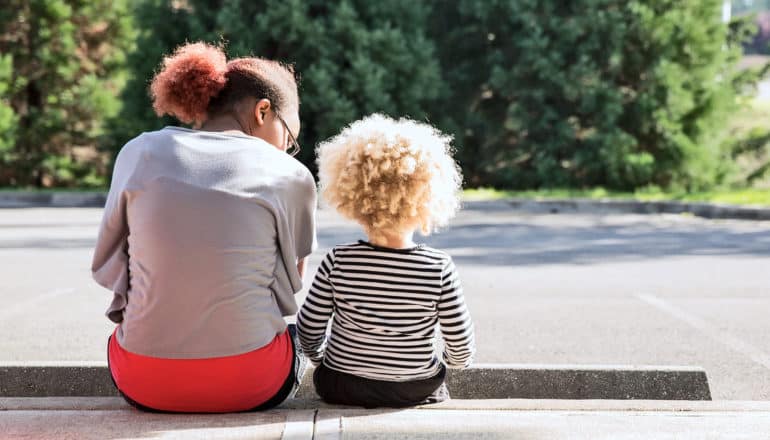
(196, 82)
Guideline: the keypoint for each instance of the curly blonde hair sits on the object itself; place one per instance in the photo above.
(390, 176)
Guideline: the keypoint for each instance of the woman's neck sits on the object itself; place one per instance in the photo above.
(393, 240)
(224, 124)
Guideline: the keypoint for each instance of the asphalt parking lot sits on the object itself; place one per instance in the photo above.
(614, 289)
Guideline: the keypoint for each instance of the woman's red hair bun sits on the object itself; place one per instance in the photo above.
(188, 80)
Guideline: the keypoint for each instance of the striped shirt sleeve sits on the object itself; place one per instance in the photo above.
(455, 321)
(316, 312)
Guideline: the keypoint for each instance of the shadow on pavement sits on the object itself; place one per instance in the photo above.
(511, 243)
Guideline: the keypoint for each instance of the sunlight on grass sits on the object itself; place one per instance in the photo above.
(753, 197)
(750, 197)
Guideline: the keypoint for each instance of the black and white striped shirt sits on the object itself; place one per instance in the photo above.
(385, 305)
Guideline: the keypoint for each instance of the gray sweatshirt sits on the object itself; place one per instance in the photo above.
(199, 242)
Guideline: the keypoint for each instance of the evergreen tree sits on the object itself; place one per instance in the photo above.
(8, 120)
(354, 57)
(58, 79)
(589, 92)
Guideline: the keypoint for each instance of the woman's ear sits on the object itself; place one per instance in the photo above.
(261, 109)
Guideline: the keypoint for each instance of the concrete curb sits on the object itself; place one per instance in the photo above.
(555, 206)
(118, 404)
(484, 381)
(31, 199)
(96, 199)
(500, 381)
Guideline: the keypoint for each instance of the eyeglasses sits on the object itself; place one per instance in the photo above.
(293, 148)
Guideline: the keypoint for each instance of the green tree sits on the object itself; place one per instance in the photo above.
(160, 25)
(8, 119)
(58, 81)
(354, 56)
(591, 92)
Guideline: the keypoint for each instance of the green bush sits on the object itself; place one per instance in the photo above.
(8, 119)
(58, 81)
(622, 94)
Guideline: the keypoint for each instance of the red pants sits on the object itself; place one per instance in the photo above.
(223, 384)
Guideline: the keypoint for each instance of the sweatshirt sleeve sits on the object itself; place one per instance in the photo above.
(455, 320)
(109, 266)
(314, 316)
(295, 204)
(302, 221)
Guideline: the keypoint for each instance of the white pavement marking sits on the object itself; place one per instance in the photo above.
(22, 306)
(327, 428)
(299, 425)
(754, 353)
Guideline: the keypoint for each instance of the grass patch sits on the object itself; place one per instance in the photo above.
(750, 197)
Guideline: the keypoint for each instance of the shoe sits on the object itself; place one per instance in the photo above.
(300, 361)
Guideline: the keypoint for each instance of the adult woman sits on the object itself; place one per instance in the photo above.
(204, 237)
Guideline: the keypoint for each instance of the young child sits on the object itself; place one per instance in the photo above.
(385, 296)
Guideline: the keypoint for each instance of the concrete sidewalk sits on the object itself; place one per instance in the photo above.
(110, 418)
(495, 401)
